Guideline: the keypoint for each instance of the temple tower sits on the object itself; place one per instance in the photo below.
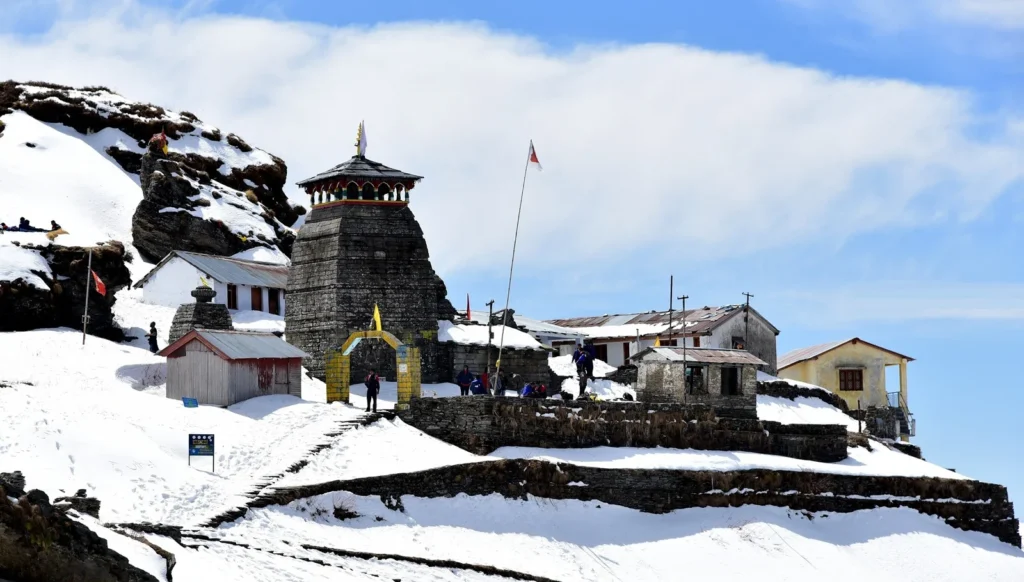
(361, 246)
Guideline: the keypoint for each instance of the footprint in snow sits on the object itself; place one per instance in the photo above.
(58, 445)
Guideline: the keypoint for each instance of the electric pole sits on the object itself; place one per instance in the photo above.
(686, 380)
(746, 320)
(490, 335)
(670, 281)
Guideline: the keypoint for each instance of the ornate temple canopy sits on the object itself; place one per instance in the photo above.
(360, 178)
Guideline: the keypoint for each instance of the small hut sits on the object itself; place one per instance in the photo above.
(220, 368)
(724, 379)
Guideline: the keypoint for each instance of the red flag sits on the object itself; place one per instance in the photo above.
(533, 156)
(100, 287)
(467, 306)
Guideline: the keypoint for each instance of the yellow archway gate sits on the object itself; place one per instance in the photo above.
(339, 367)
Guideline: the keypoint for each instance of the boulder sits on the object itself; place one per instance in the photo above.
(24, 307)
(166, 220)
(92, 109)
(40, 544)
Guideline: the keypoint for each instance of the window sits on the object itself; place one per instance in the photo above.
(602, 352)
(669, 343)
(625, 352)
(273, 301)
(257, 298)
(696, 341)
(851, 380)
(695, 380)
(737, 343)
(731, 382)
(232, 297)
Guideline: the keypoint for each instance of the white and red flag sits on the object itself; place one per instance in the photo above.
(533, 157)
(100, 287)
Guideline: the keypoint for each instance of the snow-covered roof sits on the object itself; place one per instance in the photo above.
(544, 328)
(476, 335)
(229, 270)
(802, 354)
(700, 356)
(700, 320)
(239, 345)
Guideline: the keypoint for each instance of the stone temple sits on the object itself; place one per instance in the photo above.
(361, 246)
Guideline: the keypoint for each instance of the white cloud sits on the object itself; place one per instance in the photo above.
(895, 15)
(905, 301)
(648, 150)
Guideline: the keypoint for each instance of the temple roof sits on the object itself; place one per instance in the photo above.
(361, 169)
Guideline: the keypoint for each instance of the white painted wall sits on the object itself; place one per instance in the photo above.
(173, 284)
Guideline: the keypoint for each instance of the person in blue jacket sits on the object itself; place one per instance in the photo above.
(464, 379)
(527, 391)
(477, 386)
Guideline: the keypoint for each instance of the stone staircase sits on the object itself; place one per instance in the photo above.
(265, 485)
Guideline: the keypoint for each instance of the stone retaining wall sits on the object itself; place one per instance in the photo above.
(782, 389)
(481, 424)
(964, 504)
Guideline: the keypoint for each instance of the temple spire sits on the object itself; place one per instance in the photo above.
(361, 141)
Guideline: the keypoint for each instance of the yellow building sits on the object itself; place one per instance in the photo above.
(855, 370)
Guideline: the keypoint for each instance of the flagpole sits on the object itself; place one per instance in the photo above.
(88, 284)
(515, 239)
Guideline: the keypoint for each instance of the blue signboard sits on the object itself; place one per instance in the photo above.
(403, 351)
(190, 402)
(200, 445)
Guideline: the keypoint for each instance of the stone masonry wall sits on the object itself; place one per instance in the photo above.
(532, 365)
(964, 504)
(663, 382)
(191, 316)
(346, 259)
(481, 424)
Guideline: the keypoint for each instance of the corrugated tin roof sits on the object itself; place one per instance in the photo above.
(705, 355)
(240, 345)
(799, 355)
(229, 270)
(697, 320)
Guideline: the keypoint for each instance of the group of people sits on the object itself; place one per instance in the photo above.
(25, 226)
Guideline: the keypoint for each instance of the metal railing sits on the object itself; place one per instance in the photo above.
(896, 400)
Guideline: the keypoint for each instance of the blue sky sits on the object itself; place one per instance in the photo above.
(932, 268)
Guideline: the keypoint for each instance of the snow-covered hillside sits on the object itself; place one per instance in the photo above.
(95, 417)
(73, 156)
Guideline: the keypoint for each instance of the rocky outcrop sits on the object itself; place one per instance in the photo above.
(170, 215)
(24, 307)
(39, 543)
(89, 110)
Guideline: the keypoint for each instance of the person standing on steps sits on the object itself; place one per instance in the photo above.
(372, 389)
(151, 336)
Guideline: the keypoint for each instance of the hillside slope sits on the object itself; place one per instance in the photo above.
(95, 417)
(100, 190)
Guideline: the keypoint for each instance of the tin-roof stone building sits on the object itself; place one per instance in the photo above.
(221, 368)
(361, 246)
(724, 379)
(615, 337)
(239, 284)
